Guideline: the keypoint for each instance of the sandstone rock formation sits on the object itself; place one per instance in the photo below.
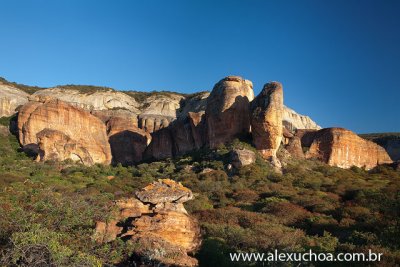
(294, 147)
(343, 148)
(127, 141)
(152, 123)
(59, 131)
(96, 100)
(10, 99)
(198, 126)
(242, 157)
(293, 121)
(106, 115)
(161, 146)
(227, 112)
(390, 142)
(195, 103)
(155, 220)
(163, 104)
(266, 120)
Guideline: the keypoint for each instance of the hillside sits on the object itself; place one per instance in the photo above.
(96, 177)
(310, 205)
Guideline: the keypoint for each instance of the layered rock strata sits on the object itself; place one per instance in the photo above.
(343, 148)
(10, 99)
(58, 131)
(266, 120)
(156, 220)
(227, 112)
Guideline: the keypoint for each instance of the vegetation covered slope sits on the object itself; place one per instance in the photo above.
(48, 210)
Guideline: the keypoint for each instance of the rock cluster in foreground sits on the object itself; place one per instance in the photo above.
(157, 222)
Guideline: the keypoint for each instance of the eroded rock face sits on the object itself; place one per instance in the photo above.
(162, 105)
(227, 112)
(97, 100)
(106, 115)
(161, 146)
(60, 131)
(152, 123)
(343, 148)
(198, 125)
(56, 145)
(164, 191)
(242, 157)
(294, 147)
(127, 141)
(10, 99)
(293, 121)
(156, 221)
(266, 120)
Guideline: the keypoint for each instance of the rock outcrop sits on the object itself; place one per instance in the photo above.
(242, 157)
(157, 222)
(389, 141)
(266, 120)
(294, 148)
(343, 148)
(152, 123)
(227, 112)
(161, 146)
(293, 121)
(96, 100)
(10, 99)
(127, 141)
(58, 131)
(198, 125)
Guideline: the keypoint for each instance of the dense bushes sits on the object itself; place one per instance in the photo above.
(48, 210)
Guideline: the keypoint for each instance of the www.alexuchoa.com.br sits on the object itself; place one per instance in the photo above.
(308, 256)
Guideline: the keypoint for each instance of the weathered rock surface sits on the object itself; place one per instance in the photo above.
(266, 120)
(227, 112)
(161, 146)
(97, 100)
(164, 191)
(156, 221)
(127, 141)
(194, 104)
(106, 115)
(343, 148)
(242, 157)
(390, 142)
(198, 125)
(293, 121)
(10, 99)
(60, 131)
(166, 104)
(152, 123)
(294, 147)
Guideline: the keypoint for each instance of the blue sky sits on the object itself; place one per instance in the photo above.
(339, 61)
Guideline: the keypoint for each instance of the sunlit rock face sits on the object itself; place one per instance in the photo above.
(96, 100)
(156, 219)
(343, 148)
(293, 120)
(266, 120)
(10, 99)
(58, 131)
(227, 113)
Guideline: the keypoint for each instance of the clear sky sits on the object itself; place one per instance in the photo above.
(339, 60)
